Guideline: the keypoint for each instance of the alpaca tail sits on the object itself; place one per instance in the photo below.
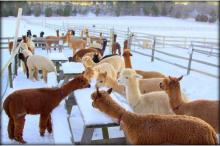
(6, 106)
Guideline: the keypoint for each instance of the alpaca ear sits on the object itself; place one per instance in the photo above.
(109, 91)
(170, 77)
(180, 78)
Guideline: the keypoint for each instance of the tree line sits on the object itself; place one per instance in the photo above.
(200, 11)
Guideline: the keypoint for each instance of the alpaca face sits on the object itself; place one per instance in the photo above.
(101, 80)
(170, 83)
(127, 75)
(82, 82)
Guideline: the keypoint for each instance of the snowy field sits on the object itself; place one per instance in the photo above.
(195, 85)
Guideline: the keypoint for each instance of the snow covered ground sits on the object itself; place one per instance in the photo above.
(195, 85)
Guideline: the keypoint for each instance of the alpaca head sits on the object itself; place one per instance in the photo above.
(89, 73)
(170, 83)
(24, 38)
(82, 82)
(128, 75)
(101, 79)
(127, 53)
(103, 101)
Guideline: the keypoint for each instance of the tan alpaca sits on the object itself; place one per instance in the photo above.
(36, 62)
(101, 68)
(75, 43)
(155, 129)
(145, 85)
(127, 58)
(116, 61)
(150, 74)
(205, 109)
(154, 102)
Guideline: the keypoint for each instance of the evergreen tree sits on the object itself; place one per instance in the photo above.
(48, 12)
(164, 10)
(97, 10)
(37, 11)
(155, 10)
(67, 10)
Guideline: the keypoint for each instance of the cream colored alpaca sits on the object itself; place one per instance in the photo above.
(101, 68)
(116, 61)
(154, 102)
(36, 62)
(31, 44)
(145, 85)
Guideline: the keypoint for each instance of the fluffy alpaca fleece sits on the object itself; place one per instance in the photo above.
(37, 101)
(101, 68)
(75, 43)
(127, 58)
(79, 54)
(116, 61)
(36, 62)
(154, 102)
(155, 129)
(150, 74)
(205, 109)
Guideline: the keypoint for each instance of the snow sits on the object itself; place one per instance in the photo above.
(57, 56)
(52, 79)
(72, 67)
(196, 86)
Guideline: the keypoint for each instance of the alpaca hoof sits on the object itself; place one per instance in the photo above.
(41, 133)
(49, 130)
(20, 140)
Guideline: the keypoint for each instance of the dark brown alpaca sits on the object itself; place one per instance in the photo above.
(37, 101)
(155, 129)
(205, 109)
(116, 46)
(127, 58)
(125, 44)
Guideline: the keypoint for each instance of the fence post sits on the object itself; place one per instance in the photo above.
(190, 59)
(10, 76)
(16, 65)
(153, 49)
(111, 39)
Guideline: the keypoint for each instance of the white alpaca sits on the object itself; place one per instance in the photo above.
(36, 62)
(101, 68)
(153, 102)
(116, 61)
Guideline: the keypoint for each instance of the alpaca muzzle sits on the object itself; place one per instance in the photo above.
(88, 86)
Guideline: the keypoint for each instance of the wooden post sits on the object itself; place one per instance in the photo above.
(10, 76)
(190, 60)
(16, 65)
(105, 133)
(111, 39)
(153, 50)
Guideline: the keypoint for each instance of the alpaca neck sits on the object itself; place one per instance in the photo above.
(132, 92)
(68, 88)
(175, 97)
(111, 83)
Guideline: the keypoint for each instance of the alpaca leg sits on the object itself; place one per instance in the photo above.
(43, 123)
(49, 125)
(19, 126)
(11, 128)
(36, 73)
(45, 75)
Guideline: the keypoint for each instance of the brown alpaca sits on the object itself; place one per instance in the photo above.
(79, 54)
(10, 46)
(37, 101)
(116, 46)
(127, 58)
(150, 74)
(205, 109)
(125, 44)
(74, 43)
(155, 129)
(52, 40)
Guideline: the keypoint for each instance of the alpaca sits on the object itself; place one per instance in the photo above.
(127, 58)
(145, 85)
(92, 39)
(37, 101)
(125, 44)
(31, 45)
(101, 68)
(36, 62)
(150, 74)
(116, 61)
(205, 109)
(116, 46)
(26, 53)
(152, 128)
(52, 40)
(74, 43)
(154, 102)
(79, 54)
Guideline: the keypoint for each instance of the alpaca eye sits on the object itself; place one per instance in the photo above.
(101, 81)
(126, 77)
